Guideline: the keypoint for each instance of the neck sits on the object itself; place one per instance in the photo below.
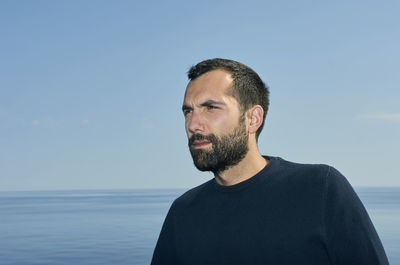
(251, 164)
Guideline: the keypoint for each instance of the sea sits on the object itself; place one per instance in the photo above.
(121, 227)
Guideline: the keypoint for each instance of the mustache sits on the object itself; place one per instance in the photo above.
(197, 137)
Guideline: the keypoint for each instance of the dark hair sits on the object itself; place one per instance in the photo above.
(248, 88)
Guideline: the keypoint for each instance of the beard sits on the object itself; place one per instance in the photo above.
(227, 150)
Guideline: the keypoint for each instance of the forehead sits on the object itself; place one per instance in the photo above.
(213, 84)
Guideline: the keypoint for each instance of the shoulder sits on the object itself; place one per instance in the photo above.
(285, 170)
(301, 177)
(317, 180)
(193, 195)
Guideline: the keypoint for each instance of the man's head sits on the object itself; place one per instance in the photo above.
(225, 105)
(247, 87)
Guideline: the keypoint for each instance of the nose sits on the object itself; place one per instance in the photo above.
(194, 123)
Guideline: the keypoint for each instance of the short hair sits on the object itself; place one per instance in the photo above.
(248, 88)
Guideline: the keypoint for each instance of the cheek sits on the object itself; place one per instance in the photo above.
(187, 131)
(186, 127)
(222, 123)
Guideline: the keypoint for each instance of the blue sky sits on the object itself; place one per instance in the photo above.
(91, 91)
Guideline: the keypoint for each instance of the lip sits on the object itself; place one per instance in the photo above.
(200, 143)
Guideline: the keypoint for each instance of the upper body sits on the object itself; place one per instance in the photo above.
(256, 210)
(287, 213)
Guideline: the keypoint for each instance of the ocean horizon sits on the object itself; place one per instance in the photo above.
(61, 227)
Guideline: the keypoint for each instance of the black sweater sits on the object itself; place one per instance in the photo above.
(287, 213)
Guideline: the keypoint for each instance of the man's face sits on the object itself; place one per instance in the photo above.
(216, 129)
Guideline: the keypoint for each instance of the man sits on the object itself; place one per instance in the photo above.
(257, 209)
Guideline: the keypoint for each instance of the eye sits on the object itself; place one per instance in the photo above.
(211, 107)
(186, 112)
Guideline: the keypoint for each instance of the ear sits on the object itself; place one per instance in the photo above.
(255, 115)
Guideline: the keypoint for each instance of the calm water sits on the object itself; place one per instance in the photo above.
(121, 227)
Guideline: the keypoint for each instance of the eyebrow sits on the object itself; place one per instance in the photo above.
(207, 103)
(211, 102)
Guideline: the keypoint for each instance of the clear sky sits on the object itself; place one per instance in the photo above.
(91, 91)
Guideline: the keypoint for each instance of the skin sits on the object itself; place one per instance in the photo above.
(208, 109)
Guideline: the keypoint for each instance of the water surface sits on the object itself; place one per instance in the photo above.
(118, 227)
